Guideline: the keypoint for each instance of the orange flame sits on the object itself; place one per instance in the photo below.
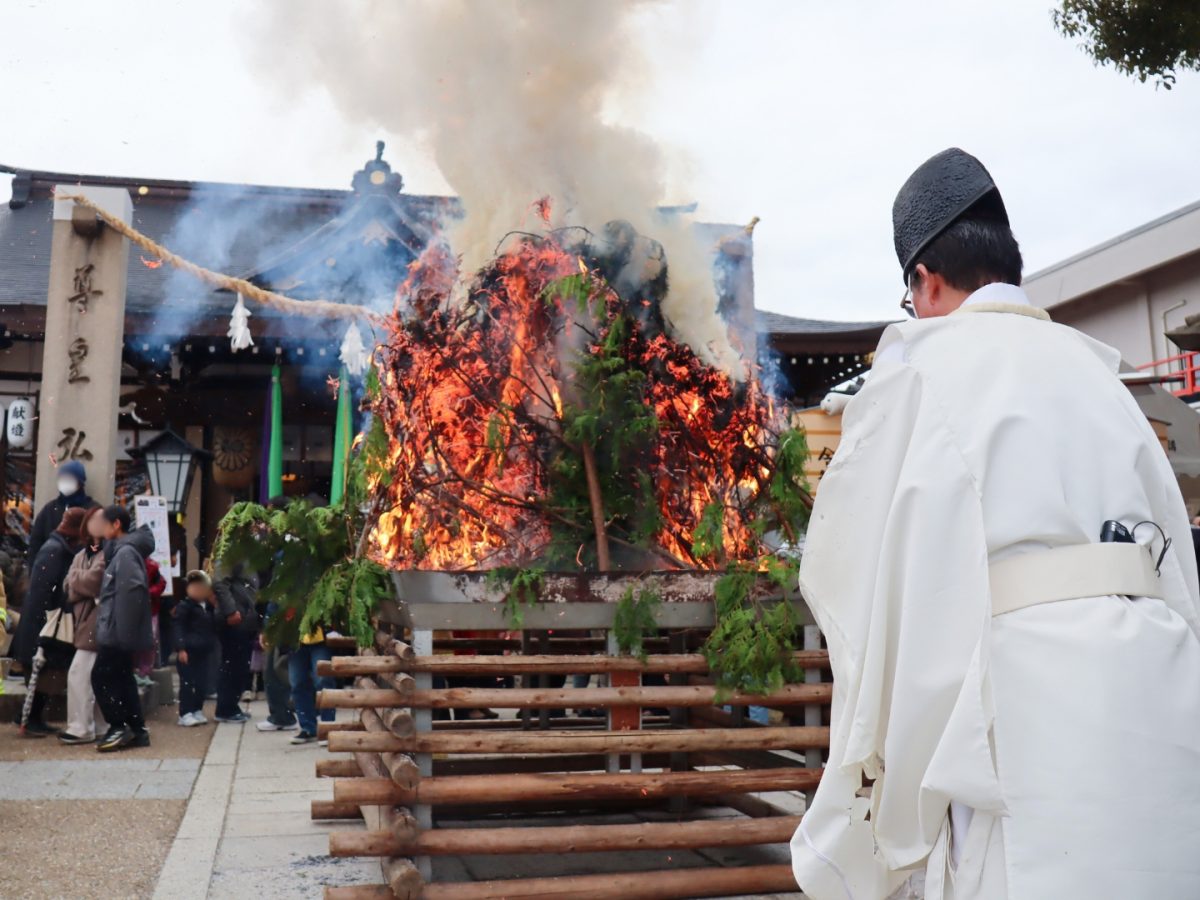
(470, 390)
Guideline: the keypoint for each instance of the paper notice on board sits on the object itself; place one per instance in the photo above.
(152, 512)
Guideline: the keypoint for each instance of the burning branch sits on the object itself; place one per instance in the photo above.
(593, 484)
(546, 418)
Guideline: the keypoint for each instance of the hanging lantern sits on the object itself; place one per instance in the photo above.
(171, 463)
(20, 423)
(235, 456)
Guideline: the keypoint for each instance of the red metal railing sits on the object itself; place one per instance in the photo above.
(1184, 366)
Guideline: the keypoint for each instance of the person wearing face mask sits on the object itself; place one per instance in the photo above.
(72, 479)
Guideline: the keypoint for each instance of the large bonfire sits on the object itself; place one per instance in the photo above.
(544, 413)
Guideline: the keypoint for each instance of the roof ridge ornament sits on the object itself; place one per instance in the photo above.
(377, 176)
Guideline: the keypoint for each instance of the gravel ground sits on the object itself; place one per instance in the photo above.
(167, 741)
(91, 848)
(85, 848)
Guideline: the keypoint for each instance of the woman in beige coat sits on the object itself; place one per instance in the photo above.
(84, 721)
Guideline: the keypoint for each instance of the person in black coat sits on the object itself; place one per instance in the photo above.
(46, 593)
(237, 625)
(72, 477)
(195, 631)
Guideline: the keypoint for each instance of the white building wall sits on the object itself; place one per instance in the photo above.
(1118, 316)
(1175, 294)
(1133, 315)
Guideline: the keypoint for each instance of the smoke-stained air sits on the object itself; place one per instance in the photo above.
(510, 98)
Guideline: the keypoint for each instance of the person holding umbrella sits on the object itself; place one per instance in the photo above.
(45, 595)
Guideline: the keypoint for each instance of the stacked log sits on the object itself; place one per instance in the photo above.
(511, 764)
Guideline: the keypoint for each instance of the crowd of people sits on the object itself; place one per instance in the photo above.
(98, 607)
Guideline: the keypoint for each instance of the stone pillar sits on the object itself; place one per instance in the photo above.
(85, 332)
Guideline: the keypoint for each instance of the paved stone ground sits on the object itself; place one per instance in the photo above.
(78, 824)
(98, 779)
(222, 812)
(81, 849)
(247, 830)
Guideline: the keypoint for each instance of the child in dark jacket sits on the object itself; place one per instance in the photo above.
(195, 639)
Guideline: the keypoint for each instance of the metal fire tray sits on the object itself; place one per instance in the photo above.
(466, 600)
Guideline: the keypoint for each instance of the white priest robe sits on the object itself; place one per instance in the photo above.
(1066, 735)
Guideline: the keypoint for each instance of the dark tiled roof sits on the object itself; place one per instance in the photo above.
(777, 324)
(211, 224)
(262, 232)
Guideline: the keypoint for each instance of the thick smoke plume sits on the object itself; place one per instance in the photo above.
(510, 97)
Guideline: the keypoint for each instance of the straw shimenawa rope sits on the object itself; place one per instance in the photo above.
(326, 309)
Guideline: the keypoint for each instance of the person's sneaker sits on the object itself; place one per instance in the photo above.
(268, 725)
(303, 737)
(140, 739)
(67, 738)
(143, 681)
(188, 720)
(237, 718)
(36, 729)
(200, 718)
(117, 740)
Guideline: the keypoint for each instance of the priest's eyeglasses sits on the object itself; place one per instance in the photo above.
(906, 303)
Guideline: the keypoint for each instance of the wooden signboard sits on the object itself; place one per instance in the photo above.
(824, 433)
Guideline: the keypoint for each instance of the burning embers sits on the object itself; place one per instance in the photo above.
(549, 418)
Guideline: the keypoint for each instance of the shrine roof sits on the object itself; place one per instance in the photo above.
(275, 236)
(306, 242)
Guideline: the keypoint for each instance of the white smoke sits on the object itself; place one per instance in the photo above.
(509, 96)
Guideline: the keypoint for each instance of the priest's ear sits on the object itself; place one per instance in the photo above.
(932, 295)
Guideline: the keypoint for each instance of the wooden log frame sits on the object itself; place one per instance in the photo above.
(402, 683)
(482, 812)
(331, 809)
(468, 789)
(573, 722)
(365, 696)
(394, 722)
(670, 663)
(403, 878)
(360, 892)
(457, 766)
(666, 740)
(567, 838)
(388, 645)
(658, 885)
(400, 825)
(539, 768)
(325, 729)
(401, 768)
(338, 768)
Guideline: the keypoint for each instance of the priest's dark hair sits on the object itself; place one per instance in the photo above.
(971, 253)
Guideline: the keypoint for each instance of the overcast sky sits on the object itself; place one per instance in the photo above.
(807, 114)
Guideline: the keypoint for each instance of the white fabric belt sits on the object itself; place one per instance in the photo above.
(1069, 573)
